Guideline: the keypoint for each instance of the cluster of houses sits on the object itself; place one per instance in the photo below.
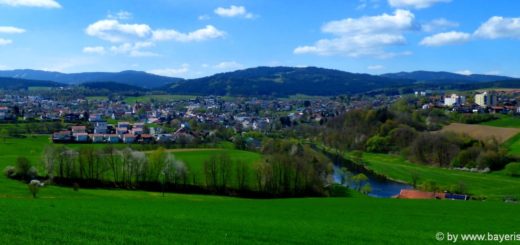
(416, 194)
(123, 132)
(483, 102)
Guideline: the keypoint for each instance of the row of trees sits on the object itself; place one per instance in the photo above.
(125, 167)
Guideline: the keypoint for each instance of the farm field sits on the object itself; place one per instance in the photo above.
(491, 185)
(61, 215)
(504, 122)
(482, 132)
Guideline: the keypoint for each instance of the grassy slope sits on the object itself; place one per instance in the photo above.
(125, 217)
(61, 215)
(494, 185)
(504, 122)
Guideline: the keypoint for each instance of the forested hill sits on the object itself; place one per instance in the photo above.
(284, 81)
(8, 83)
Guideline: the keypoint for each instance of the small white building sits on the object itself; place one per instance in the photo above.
(454, 100)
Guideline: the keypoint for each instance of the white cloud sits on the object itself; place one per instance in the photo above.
(418, 4)
(4, 42)
(446, 38)
(234, 11)
(134, 49)
(365, 36)
(132, 39)
(375, 67)
(11, 30)
(228, 65)
(94, 50)
(209, 32)
(31, 3)
(499, 27)
(438, 25)
(172, 72)
(464, 72)
(113, 31)
(121, 15)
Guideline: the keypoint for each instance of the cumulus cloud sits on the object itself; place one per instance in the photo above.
(114, 31)
(228, 65)
(134, 49)
(132, 39)
(11, 30)
(234, 11)
(209, 32)
(446, 38)
(4, 42)
(496, 27)
(94, 50)
(172, 72)
(499, 27)
(417, 4)
(31, 3)
(438, 25)
(365, 36)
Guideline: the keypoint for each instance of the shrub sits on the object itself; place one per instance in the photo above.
(513, 169)
(10, 172)
(23, 167)
(337, 190)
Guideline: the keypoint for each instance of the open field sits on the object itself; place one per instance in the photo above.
(131, 217)
(482, 132)
(491, 185)
(61, 215)
(504, 122)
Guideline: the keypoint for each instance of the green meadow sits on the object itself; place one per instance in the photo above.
(504, 122)
(491, 185)
(95, 216)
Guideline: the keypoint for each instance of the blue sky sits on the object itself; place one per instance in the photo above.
(187, 38)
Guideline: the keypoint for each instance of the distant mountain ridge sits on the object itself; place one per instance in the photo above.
(284, 81)
(431, 76)
(133, 78)
(261, 81)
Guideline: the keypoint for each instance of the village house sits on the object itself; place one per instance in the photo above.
(62, 136)
(112, 138)
(129, 138)
(81, 137)
(97, 138)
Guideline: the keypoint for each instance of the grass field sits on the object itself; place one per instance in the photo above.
(505, 122)
(491, 185)
(512, 143)
(63, 216)
(482, 132)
